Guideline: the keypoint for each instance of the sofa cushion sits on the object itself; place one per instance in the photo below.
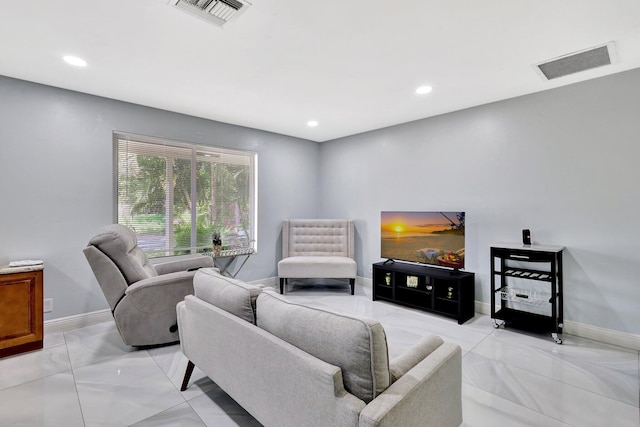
(230, 295)
(358, 346)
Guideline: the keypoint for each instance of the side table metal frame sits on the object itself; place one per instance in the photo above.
(225, 262)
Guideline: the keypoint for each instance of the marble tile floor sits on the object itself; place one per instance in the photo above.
(88, 377)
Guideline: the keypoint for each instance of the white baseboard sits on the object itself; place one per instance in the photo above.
(69, 323)
(269, 281)
(64, 324)
(608, 336)
(275, 282)
(364, 281)
(483, 307)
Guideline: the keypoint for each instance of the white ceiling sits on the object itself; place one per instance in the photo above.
(352, 65)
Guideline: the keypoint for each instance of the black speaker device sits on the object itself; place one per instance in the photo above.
(526, 237)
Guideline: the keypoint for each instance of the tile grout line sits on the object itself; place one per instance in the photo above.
(73, 376)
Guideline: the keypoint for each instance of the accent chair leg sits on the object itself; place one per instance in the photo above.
(352, 282)
(187, 375)
(283, 282)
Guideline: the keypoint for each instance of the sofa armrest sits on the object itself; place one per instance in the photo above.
(184, 264)
(429, 394)
(410, 358)
(160, 293)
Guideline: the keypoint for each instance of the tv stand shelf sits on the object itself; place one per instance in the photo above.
(526, 287)
(446, 292)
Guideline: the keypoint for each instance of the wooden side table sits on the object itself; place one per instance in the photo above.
(21, 318)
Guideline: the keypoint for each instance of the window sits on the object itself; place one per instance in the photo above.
(176, 195)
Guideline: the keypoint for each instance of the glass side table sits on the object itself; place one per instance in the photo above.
(225, 260)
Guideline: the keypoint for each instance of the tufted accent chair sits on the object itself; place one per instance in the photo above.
(317, 248)
(142, 296)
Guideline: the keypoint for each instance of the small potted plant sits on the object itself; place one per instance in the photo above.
(217, 243)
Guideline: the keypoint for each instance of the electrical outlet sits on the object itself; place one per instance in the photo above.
(48, 305)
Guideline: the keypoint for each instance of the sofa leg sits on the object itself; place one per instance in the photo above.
(352, 283)
(187, 375)
(283, 282)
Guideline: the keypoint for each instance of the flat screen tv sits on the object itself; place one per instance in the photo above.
(435, 238)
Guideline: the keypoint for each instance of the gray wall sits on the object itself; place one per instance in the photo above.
(56, 180)
(562, 163)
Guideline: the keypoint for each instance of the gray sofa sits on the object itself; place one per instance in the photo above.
(317, 249)
(291, 365)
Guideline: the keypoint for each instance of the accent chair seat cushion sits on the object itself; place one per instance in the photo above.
(302, 267)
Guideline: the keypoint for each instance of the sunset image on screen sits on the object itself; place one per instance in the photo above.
(425, 237)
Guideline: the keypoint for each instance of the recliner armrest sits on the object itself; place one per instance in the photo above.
(184, 264)
(160, 293)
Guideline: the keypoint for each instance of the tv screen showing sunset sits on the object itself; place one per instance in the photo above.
(435, 238)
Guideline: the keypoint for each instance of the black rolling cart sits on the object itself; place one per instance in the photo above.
(526, 287)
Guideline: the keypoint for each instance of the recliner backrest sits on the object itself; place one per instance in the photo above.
(109, 277)
(120, 244)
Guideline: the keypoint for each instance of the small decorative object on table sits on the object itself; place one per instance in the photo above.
(217, 243)
(412, 281)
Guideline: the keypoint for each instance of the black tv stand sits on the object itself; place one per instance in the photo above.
(443, 291)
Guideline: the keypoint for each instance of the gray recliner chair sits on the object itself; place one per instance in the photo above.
(142, 296)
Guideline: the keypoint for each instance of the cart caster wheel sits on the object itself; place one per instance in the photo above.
(556, 338)
(498, 325)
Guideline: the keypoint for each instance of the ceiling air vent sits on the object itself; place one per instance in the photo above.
(217, 11)
(576, 62)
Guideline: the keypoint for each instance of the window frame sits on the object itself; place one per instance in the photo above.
(196, 153)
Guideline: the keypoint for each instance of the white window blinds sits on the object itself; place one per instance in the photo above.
(176, 195)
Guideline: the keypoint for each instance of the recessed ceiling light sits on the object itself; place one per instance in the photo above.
(74, 60)
(423, 89)
(312, 123)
